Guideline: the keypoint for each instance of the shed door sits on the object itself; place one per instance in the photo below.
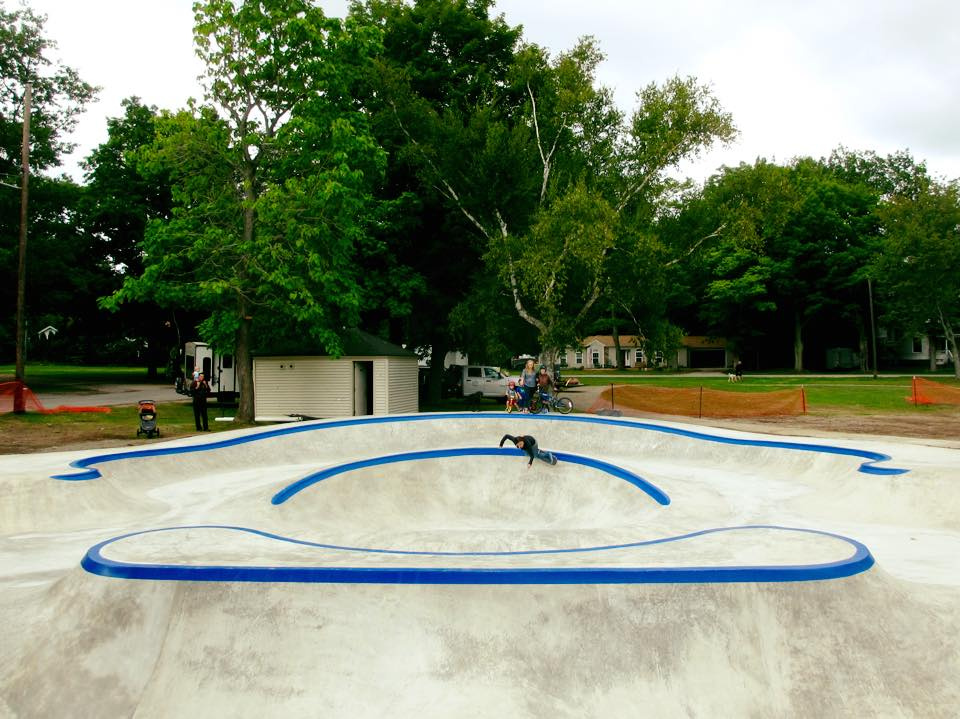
(362, 388)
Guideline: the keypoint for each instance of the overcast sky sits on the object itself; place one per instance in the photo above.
(800, 77)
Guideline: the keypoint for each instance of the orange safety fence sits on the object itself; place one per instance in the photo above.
(30, 402)
(700, 402)
(926, 391)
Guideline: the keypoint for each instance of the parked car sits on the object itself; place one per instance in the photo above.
(483, 379)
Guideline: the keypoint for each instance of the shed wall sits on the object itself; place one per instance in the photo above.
(403, 385)
(323, 386)
(312, 386)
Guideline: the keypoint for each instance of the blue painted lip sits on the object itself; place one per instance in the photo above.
(87, 463)
(859, 561)
(290, 490)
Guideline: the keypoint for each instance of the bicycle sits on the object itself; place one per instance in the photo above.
(542, 404)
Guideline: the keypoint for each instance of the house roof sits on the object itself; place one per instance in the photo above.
(626, 341)
(356, 343)
(607, 340)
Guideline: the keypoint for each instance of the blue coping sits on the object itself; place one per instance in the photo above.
(861, 560)
(290, 490)
(87, 463)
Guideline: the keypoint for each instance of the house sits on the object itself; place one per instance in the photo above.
(599, 351)
(923, 350)
(372, 377)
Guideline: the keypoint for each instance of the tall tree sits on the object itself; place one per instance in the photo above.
(795, 246)
(442, 62)
(919, 268)
(271, 181)
(58, 97)
(119, 201)
(546, 171)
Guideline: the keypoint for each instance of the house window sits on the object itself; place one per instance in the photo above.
(658, 357)
(917, 345)
(638, 357)
(578, 358)
(595, 356)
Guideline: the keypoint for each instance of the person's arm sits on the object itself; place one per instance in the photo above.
(530, 447)
(506, 437)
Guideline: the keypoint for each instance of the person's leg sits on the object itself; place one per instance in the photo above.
(203, 416)
(546, 457)
(196, 415)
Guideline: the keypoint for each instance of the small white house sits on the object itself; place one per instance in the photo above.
(599, 351)
(372, 377)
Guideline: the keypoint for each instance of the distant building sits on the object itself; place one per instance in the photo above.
(599, 351)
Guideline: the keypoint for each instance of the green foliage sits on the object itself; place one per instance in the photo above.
(794, 250)
(63, 274)
(59, 95)
(271, 182)
(918, 271)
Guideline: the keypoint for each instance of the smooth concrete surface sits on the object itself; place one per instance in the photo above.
(880, 641)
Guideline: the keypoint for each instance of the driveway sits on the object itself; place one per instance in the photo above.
(112, 395)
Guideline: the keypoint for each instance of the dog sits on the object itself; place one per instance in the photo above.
(732, 377)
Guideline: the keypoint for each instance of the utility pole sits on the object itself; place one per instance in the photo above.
(18, 399)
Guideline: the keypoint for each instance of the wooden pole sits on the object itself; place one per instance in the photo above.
(700, 409)
(803, 399)
(20, 375)
(915, 398)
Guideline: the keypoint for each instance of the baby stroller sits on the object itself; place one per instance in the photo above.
(148, 418)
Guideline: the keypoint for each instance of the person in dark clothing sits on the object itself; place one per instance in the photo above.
(529, 445)
(738, 369)
(200, 390)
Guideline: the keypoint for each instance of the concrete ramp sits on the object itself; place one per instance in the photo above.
(397, 568)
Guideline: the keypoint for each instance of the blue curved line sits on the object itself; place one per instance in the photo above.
(290, 490)
(87, 462)
(861, 560)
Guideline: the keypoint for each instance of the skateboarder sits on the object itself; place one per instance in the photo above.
(529, 445)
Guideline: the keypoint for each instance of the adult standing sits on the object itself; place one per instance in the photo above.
(200, 390)
(528, 380)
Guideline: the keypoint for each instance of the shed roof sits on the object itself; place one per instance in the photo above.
(356, 343)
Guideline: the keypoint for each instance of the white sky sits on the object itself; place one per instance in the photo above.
(801, 77)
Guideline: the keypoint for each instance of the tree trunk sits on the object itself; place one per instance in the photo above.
(244, 364)
(439, 346)
(618, 362)
(862, 343)
(951, 343)
(797, 342)
(244, 360)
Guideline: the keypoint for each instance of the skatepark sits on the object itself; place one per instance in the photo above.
(407, 566)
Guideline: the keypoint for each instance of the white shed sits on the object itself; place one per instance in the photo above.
(372, 377)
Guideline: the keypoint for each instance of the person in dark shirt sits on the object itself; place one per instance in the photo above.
(199, 390)
(529, 445)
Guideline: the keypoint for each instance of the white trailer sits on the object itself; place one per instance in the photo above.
(218, 370)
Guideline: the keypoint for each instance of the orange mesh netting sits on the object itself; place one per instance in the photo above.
(926, 391)
(700, 402)
(8, 398)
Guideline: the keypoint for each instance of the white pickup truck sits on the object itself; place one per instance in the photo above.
(485, 380)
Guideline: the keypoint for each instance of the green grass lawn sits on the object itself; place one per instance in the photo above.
(73, 378)
(856, 393)
(33, 431)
